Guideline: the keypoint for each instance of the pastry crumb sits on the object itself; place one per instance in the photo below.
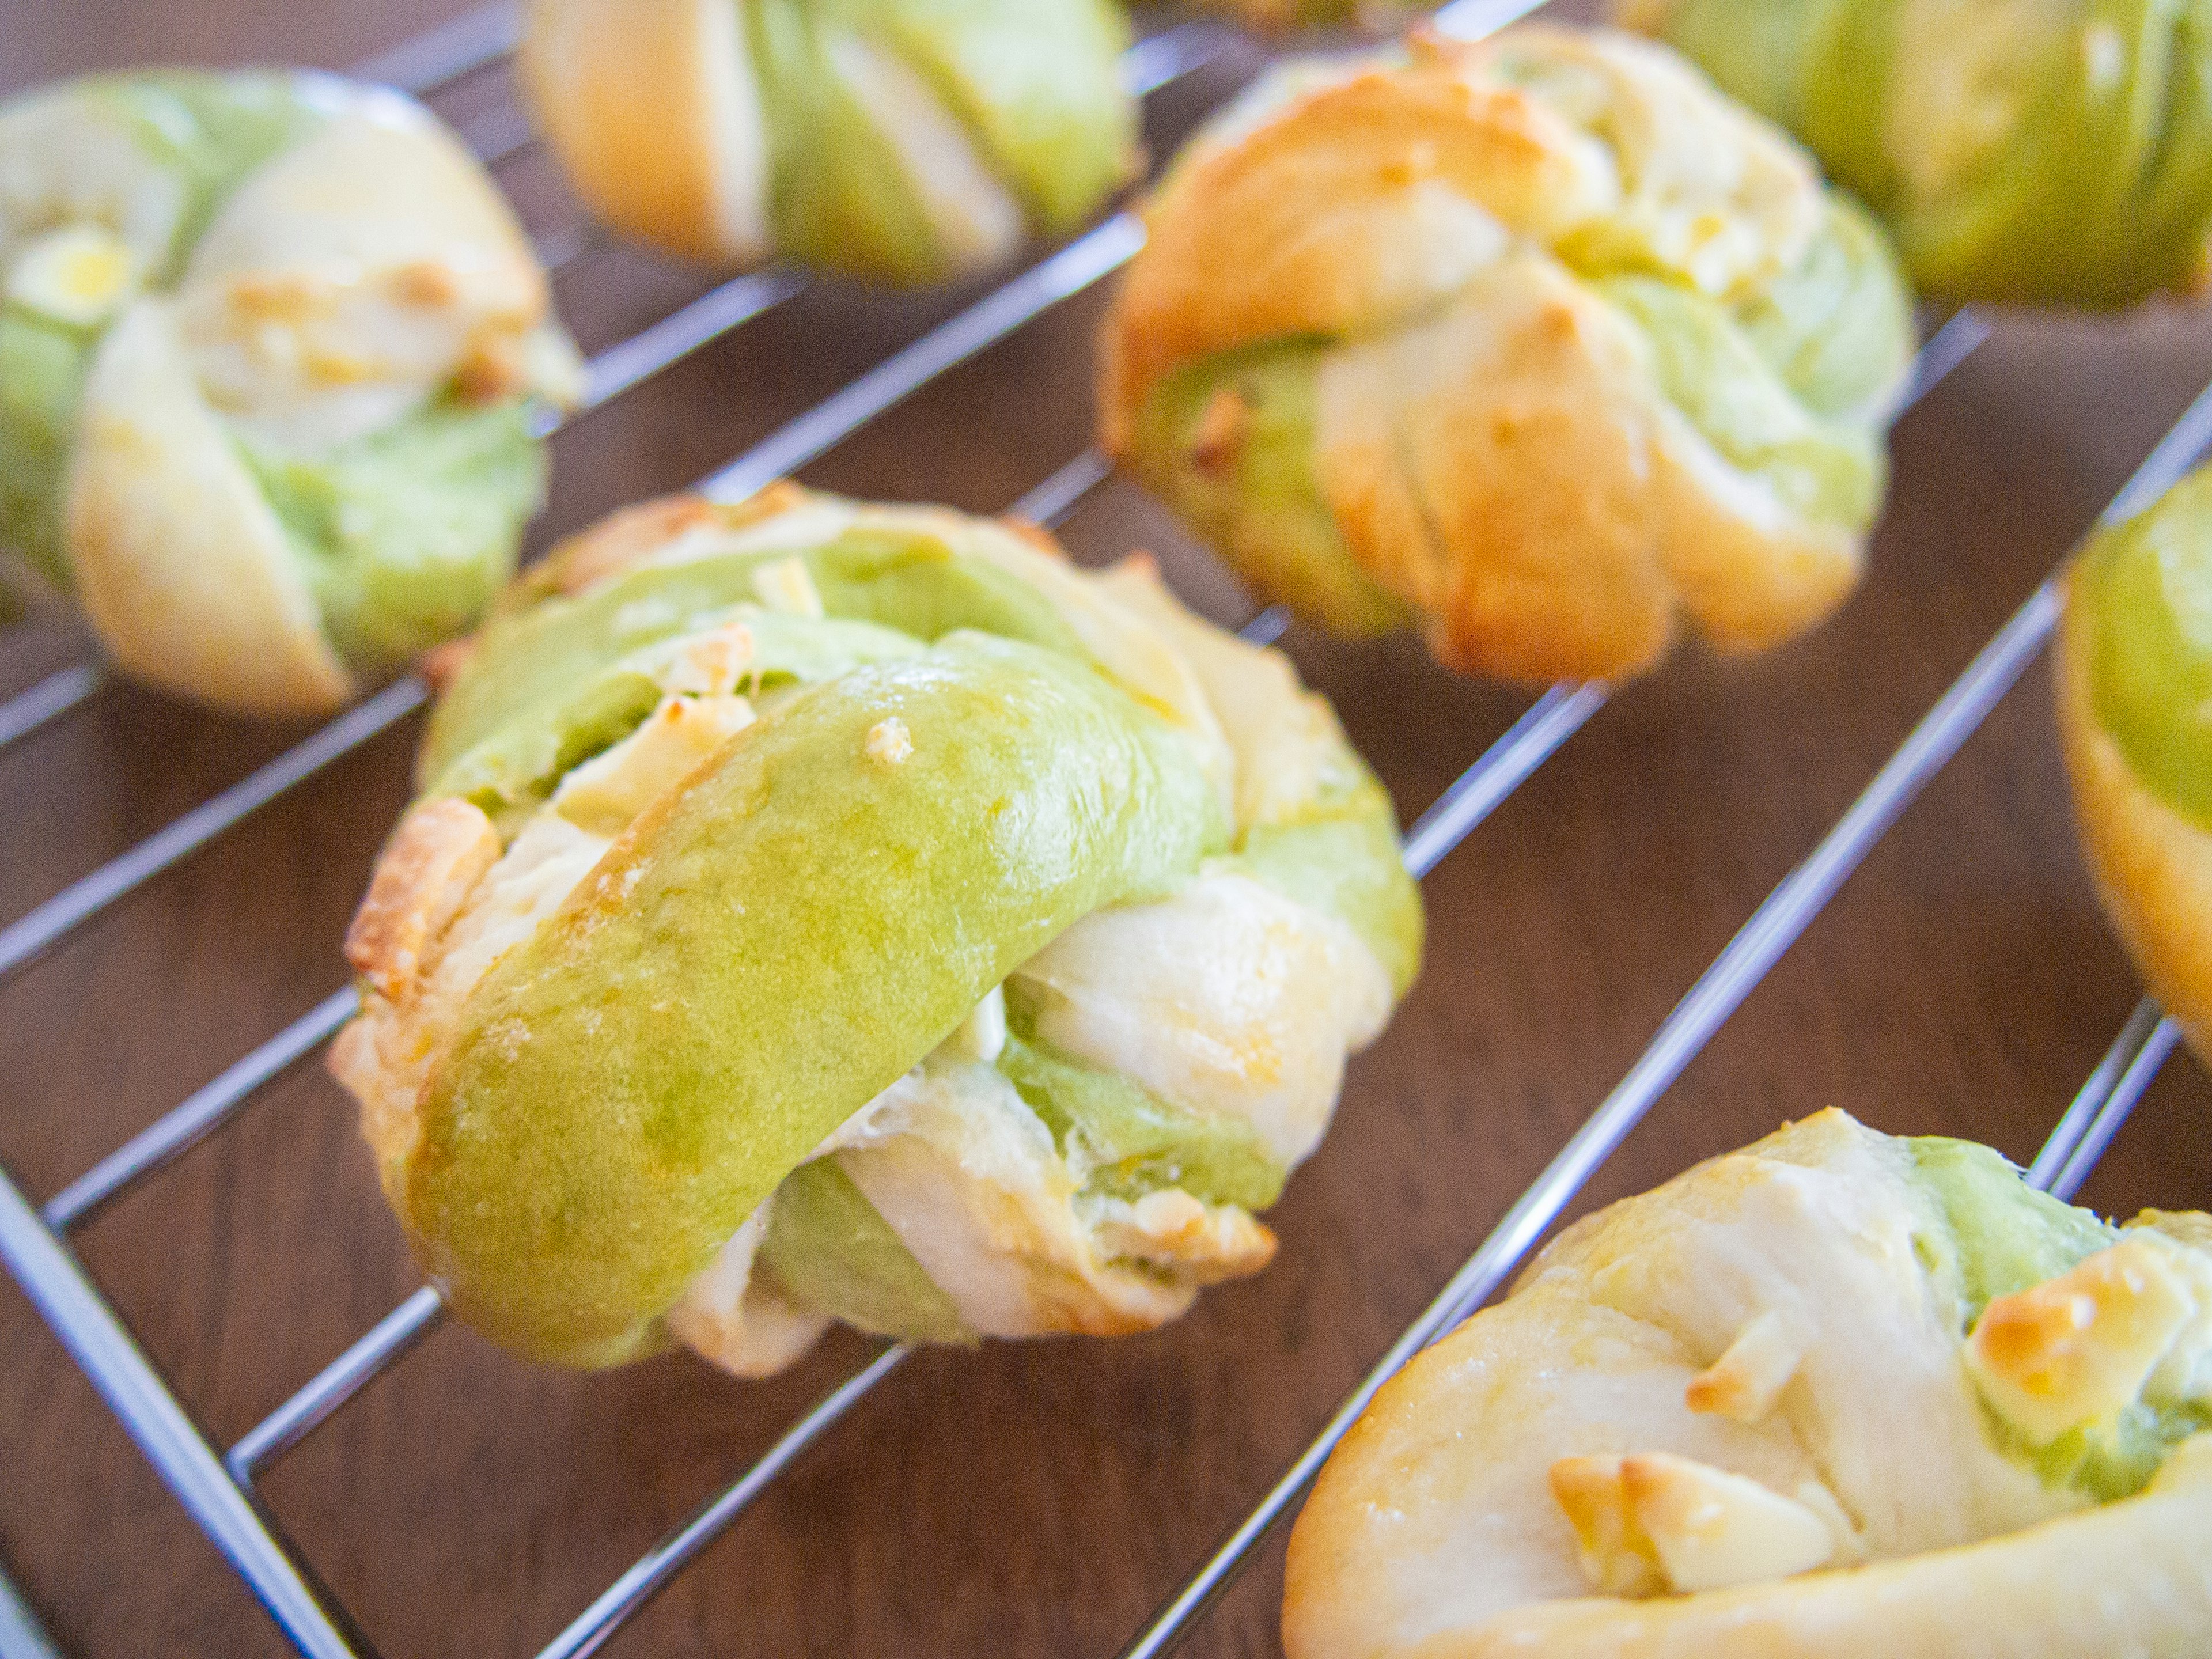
(889, 742)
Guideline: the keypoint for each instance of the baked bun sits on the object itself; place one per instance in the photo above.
(905, 140)
(2134, 678)
(1536, 342)
(2047, 151)
(816, 910)
(265, 352)
(1834, 1396)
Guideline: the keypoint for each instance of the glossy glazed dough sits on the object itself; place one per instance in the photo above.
(821, 910)
(908, 141)
(1741, 1416)
(2052, 151)
(1538, 344)
(266, 345)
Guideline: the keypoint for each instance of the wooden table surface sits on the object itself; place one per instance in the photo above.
(1040, 1498)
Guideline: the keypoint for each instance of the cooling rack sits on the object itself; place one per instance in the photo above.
(220, 1488)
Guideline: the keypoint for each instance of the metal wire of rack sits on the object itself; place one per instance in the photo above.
(219, 1489)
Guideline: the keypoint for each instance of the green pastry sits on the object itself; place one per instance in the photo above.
(2134, 682)
(266, 346)
(2044, 151)
(821, 911)
(1834, 1396)
(1536, 343)
(906, 140)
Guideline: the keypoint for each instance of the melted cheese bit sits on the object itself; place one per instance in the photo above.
(714, 665)
(80, 275)
(2079, 1347)
(1743, 1384)
(440, 852)
(785, 585)
(889, 742)
(1204, 1243)
(606, 792)
(1651, 1524)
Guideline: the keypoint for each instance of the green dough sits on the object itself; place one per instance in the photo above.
(832, 1250)
(2145, 591)
(1342, 859)
(2076, 170)
(211, 131)
(43, 364)
(779, 942)
(406, 535)
(1136, 1142)
(514, 769)
(1036, 83)
(1785, 377)
(1829, 472)
(534, 660)
(1837, 326)
(1032, 83)
(1254, 493)
(2006, 1237)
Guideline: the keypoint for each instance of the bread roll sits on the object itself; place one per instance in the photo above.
(2045, 151)
(1538, 345)
(2134, 679)
(902, 141)
(266, 349)
(1833, 1396)
(824, 911)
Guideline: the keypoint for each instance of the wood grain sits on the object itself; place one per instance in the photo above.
(1038, 1498)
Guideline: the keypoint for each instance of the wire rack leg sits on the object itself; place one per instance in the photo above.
(1478, 792)
(2096, 1094)
(1083, 262)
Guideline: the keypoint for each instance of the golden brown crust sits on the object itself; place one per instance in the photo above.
(2152, 866)
(648, 105)
(1307, 226)
(1492, 442)
(440, 850)
(2130, 1578)
(1494, 468)
(1538, 1481)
